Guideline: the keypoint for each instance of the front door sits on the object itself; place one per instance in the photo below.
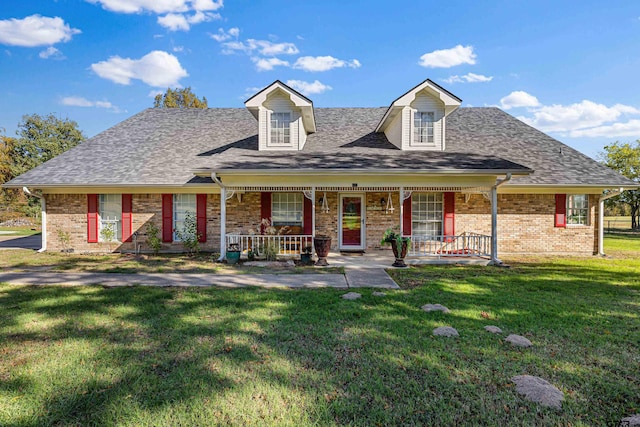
(351, 221)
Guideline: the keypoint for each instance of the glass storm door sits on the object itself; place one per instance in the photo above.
(351, 222)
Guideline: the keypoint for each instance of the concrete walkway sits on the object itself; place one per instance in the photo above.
(355, 278)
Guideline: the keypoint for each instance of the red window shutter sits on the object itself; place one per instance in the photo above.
(167, 217)
(201, 216)
(406, 217)
(127, 220)
(92, 218)
(561, 210)
(265, 207)
(307, 211)
(449, 214)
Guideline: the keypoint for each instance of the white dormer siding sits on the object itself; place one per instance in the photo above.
(279, 103)
(424, 103)
(428, 104)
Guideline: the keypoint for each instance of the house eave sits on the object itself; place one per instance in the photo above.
(271, 172)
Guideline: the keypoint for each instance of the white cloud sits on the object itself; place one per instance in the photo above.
(308, 88)
(138, 6)
(262, 47)
(154, 93)
(323, 63)
(628, 129)
(268, 64)
(446, 58)
(35, 30)
(176, 11)
(578, 118)
(177, 21)
(78, 101)
(223, 35)
(468, 78)
(178, 49)
(157, 68)
(51, 52)
(517, 99)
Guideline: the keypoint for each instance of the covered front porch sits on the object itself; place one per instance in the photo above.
(355, 219)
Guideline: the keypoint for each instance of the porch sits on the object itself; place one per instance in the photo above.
(355, 218)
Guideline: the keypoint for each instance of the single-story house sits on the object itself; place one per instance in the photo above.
(458, 181)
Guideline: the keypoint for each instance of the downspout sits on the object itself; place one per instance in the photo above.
(43, 217)
(223, 215)
(494, 220)
(601, 200)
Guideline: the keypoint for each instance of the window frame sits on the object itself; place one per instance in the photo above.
(580, 219)
(424, 130)
(280, 128)
(437, 200)
(179, 202)
(112, 200)
(292, 199)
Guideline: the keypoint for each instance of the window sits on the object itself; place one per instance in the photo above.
(286, 209)
(577, 209)
(110, 211)
(182, 204)
(423, 127)
(426, 214)
(280, 128)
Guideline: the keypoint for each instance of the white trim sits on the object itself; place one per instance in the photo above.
(363, 221)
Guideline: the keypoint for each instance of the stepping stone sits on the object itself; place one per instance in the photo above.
(351, 296)
(538, 390)
(632, 421)
(379, 294)
(518, 340)
(435, 307)
(446, 331)
(493, 329)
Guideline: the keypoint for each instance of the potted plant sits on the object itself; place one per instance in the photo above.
(399, 244)
(305, 256)
(322, 245)
(233, 253)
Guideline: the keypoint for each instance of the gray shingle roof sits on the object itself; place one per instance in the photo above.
(164, 147)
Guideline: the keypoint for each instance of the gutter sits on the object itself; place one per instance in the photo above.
(601, 200)
(43, 217)
(345, 171)
(494, 220)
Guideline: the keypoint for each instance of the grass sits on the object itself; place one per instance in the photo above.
(24, 260)
(19, 231)
(152, 357)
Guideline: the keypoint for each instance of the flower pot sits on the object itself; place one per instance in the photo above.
(399, 262)
(233, 257)
(322, 245)
(306, 259)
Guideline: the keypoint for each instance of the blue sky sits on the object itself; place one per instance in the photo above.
(569, 68)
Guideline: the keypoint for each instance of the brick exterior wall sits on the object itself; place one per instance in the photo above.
(525, 221)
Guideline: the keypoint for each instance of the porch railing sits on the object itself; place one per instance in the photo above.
(464, 245)
(283, 245)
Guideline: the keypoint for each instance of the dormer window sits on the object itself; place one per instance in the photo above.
(423, 127)
(280, 128)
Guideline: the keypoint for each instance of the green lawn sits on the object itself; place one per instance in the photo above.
(149, 356)
(19, 231)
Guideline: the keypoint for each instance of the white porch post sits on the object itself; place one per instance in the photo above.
(601, 227)
(223, 223)
(313, 217)
(401, 201)
(43, 217)
(494, 225)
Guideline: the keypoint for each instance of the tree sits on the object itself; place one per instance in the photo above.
(41, 139)
(625, 159)
(179, 98)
